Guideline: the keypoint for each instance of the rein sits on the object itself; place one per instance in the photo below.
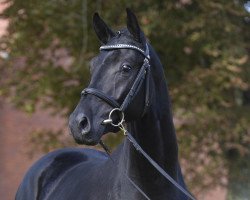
(142, 75)
(154, 164)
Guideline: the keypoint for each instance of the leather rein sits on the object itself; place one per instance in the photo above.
(142, 75)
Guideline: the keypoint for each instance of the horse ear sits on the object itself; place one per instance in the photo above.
(103, 32)
(133, 26)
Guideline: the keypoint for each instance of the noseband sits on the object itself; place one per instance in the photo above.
(142, 75)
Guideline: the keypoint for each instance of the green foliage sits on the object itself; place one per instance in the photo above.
(204, 46)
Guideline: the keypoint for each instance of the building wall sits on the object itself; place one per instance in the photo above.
(15, 128)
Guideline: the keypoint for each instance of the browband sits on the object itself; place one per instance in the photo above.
(126, 46)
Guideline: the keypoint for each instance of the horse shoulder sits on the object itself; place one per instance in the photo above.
(49, 169)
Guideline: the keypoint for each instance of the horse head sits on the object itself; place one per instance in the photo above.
(114, 72)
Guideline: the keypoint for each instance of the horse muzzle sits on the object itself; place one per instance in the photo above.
(82, 130)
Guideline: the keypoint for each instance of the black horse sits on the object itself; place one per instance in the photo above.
(79, 174)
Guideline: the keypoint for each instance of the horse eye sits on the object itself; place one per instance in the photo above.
(126, 68)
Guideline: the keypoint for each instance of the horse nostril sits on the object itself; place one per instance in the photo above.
(84, 125)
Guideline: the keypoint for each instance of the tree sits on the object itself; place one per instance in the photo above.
(204, 46)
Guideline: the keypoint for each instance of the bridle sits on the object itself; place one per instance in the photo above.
(142, 75)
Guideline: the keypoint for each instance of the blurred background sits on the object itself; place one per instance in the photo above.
(45, 47)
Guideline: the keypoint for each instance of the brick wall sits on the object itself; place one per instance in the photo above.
(15, 127)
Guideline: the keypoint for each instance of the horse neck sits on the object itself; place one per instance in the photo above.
(154, 132)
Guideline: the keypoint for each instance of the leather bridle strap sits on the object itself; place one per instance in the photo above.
(139, 80)
(110, 100)
(136, 85)
(127, 46)
(155, 165)
(142, 74)
(147, 97)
